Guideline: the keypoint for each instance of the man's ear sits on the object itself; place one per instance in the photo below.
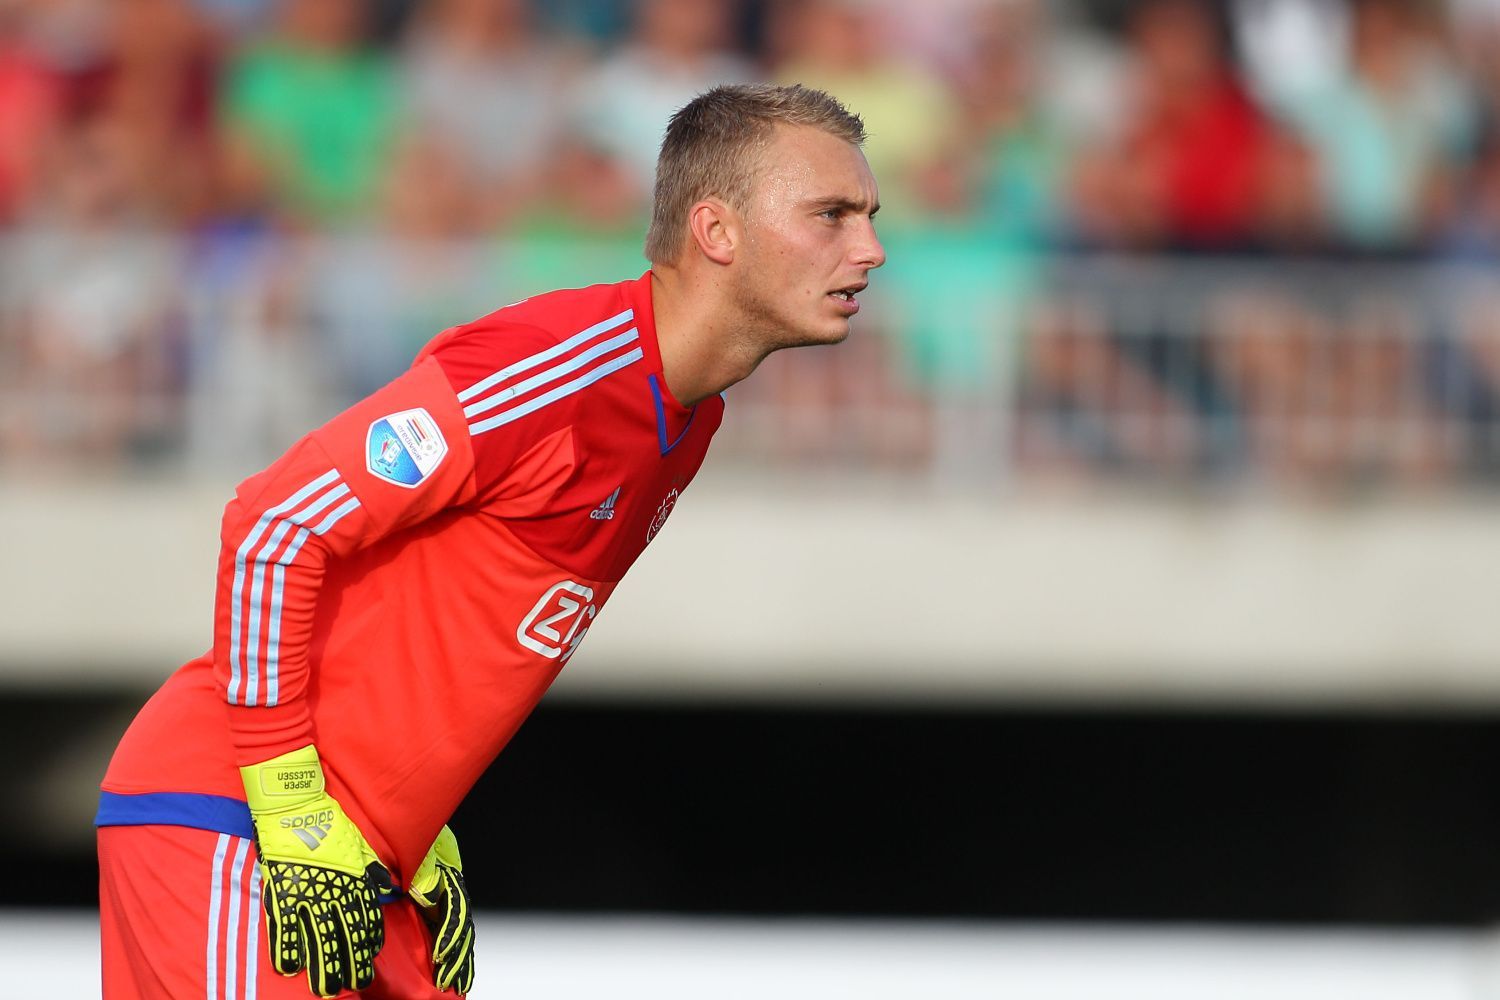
(716, 229)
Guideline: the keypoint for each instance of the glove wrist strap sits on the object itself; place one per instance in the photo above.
(284, 782)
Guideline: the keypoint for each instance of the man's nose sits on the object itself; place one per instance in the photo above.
(870, 254)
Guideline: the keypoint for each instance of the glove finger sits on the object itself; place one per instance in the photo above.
(454, 914)
(377, 925)
(284, 941)
(325, 957)
(455, 939)
(457, 971)
(354, 937)
(374, 931)
(463, 983)
(379, 878)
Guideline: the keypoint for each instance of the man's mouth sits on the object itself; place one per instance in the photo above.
(847, 293)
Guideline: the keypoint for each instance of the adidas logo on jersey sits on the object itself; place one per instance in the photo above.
(606, 510)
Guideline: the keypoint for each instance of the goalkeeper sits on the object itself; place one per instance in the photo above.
(397, 591)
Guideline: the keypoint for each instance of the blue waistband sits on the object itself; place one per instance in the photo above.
(218, 813)
(215, 813)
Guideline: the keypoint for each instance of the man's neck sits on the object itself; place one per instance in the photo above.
(701, 351)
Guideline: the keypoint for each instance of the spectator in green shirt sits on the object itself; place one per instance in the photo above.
(310, 112)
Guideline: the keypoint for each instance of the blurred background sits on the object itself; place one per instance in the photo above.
(1113, 615)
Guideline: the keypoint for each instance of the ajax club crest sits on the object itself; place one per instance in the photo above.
(662, 512)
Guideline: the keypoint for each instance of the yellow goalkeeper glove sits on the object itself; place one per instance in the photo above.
(321, 882)
(438, 887)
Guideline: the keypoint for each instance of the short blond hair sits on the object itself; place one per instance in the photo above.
(713, 148)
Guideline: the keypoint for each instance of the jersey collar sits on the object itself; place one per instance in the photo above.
(672, 418)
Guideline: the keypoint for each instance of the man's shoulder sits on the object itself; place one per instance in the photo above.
(567, 311)
(541, 357)
(538, 323)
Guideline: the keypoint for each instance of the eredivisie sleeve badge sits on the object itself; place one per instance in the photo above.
(403, 448)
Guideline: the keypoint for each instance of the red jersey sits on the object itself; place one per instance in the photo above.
(401, 587)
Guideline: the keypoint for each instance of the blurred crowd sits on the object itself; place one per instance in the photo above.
(187, 187)
(1274, 124)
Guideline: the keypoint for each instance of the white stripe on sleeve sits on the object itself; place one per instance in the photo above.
(551, 374)
(238, 589)
(542, 357)
(547, 398)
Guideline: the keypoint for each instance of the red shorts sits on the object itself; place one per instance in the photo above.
(180, 916)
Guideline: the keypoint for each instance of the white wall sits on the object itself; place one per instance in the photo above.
(776, 589)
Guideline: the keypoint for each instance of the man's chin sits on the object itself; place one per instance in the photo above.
(834, 333)
(811, 338)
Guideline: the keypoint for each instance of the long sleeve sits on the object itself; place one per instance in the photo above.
(388, 462)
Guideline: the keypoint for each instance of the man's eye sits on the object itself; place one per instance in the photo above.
(830, 213)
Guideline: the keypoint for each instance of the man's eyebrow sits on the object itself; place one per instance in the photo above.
(841, 202)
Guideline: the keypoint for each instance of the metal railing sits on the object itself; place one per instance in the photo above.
(1275, 371)
(970, 363)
